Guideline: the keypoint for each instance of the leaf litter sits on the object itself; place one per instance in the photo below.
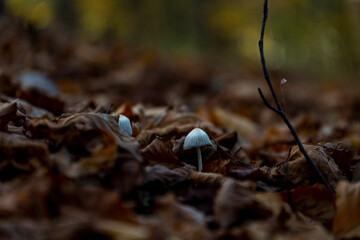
(68, 171)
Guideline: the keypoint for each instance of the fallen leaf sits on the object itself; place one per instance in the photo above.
(160, 152)
(19, 155)
(346, 223)
(234, 204)
(159, 179)
(316, 202)
(71, 131)
(297, 171)
(244, 214)
(7, 113)
(179, 221)
(243, 126)
(175, 124)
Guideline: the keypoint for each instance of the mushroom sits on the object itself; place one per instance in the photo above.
(197, 138)
(124, 124)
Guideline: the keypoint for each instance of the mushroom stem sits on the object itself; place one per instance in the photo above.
(199, 159)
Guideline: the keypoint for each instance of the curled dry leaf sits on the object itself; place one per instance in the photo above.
(243, 126)
(346, 223)
(67, 131)
(50, 196)
(102, 149)
(126, 110)
(234, 203)
(285, 227)
(179, 221)
(159, 179)
(343, 155)
(7, 113)
(32, 111)
(244, 171)
(207, 178)
(124, 230)
(99, 149)
(244, 214)
(316, 202)
(160, 152)
(227, 140)
(217, 166)
(21, 155)
(296, 171)
(175, 124)
(72, 210)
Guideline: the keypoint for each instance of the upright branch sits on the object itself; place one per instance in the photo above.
(278, 109)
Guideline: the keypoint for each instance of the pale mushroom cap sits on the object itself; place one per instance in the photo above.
(196, 138)
(124, 124)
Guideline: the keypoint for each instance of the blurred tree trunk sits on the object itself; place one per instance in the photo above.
(2, 8)
(66, 13)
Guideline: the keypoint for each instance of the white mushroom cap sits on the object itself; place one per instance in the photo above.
(196, 138)
(124, 124)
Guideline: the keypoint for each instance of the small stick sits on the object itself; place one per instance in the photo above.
(278, 109)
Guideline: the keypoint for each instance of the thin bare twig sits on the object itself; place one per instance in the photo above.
(278, 109)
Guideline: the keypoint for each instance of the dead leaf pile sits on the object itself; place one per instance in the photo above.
(69, 171)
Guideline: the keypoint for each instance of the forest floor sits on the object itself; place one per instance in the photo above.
(68, 171)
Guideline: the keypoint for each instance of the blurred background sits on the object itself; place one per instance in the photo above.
(315, 39)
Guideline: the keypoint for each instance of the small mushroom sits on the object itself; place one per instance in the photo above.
(197, 138)
(124, 124)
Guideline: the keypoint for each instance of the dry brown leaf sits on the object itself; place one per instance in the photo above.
(234, 204)
(243, 126)
(315, 201)
(21, 155)
(123, 230)
(179, 221)
(296, 171)
(276, 229)
(343, 155)
(25, 108)
(207, 178)
(278, 139)
(70, 131)
(126, 109)
(244, 171)
(245, 214)
(346, 223)
(227, 140)
(175, 124)
(7, 113)
(217, 166)
(159, 179)
(46, 196)
(160, 152)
